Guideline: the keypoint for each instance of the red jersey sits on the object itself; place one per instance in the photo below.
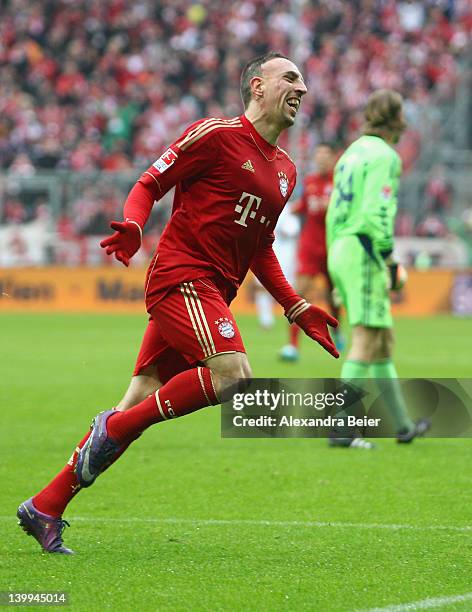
(313, 203)
(231, 186)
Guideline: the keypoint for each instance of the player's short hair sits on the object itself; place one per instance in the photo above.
(252, 69)
(383, 112)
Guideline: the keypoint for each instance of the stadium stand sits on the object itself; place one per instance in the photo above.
(102, 86)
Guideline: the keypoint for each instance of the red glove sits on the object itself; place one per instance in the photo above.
(314, 321)
(125, 242)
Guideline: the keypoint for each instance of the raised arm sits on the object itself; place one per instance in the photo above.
(188, 157)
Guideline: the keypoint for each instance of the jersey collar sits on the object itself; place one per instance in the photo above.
(268, 150)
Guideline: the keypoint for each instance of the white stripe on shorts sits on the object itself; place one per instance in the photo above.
(198, 320)
(203, 317)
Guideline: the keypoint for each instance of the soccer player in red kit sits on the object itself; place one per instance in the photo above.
(231, 183)
(312, 258)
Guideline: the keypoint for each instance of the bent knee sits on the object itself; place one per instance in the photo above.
(229, 365)
(226, 387)
(240, 372)
(386, 344)
(231, 374)
(365, 344)
(245, 371)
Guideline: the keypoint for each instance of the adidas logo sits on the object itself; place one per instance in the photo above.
(248, 165)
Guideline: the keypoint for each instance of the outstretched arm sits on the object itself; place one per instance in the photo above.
(189, 156)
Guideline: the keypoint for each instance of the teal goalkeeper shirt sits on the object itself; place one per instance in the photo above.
(364, 197)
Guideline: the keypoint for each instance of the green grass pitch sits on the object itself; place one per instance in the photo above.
(188, 521)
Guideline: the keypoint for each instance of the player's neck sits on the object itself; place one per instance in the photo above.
(389, 137)
(268, 131)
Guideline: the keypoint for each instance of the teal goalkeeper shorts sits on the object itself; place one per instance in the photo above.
(361, 282)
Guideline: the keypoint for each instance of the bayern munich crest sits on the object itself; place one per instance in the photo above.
(283, 183)
(225, 327)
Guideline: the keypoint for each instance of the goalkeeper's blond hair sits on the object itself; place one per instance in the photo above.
(384, 113)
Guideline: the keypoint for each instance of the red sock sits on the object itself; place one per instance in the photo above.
(187, 392)
(57, 494)
(294, 333)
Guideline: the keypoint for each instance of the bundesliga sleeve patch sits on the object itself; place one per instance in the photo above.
(165, 161)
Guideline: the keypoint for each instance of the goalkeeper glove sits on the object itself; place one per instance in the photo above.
(397, 276)
(125, 242)
(314, 321)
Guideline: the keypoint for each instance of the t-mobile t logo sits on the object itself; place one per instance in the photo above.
(250, 208)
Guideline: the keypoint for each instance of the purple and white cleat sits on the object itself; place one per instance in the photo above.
(98, 453)
(46, 529)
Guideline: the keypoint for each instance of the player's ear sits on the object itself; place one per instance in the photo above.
(257, 87)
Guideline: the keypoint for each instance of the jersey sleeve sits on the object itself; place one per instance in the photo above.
(188, 158)
(267, 270)
(379, 201)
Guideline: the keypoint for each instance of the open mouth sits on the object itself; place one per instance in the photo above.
(294, 104)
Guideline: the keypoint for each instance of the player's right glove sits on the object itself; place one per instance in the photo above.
(125, 242)
(314, 321)
(397, 276)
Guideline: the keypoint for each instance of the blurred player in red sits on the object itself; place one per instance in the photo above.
(312, 255)
(231, 183)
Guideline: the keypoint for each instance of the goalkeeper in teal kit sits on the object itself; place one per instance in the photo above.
(359, 227)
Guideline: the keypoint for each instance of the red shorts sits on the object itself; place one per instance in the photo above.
(310, 264)
(189, 324)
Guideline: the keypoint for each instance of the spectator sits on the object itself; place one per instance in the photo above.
(79, 78)
(438, 192)
(431, 227)
(103, 84)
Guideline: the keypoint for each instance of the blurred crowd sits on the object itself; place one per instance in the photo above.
(90, 85)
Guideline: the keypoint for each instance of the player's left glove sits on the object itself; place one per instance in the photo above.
(314, 321)
(125, 242)
(397, 276)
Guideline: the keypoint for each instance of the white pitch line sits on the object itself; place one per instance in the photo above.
(264, 523)
(434, 602)
(424, 604)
